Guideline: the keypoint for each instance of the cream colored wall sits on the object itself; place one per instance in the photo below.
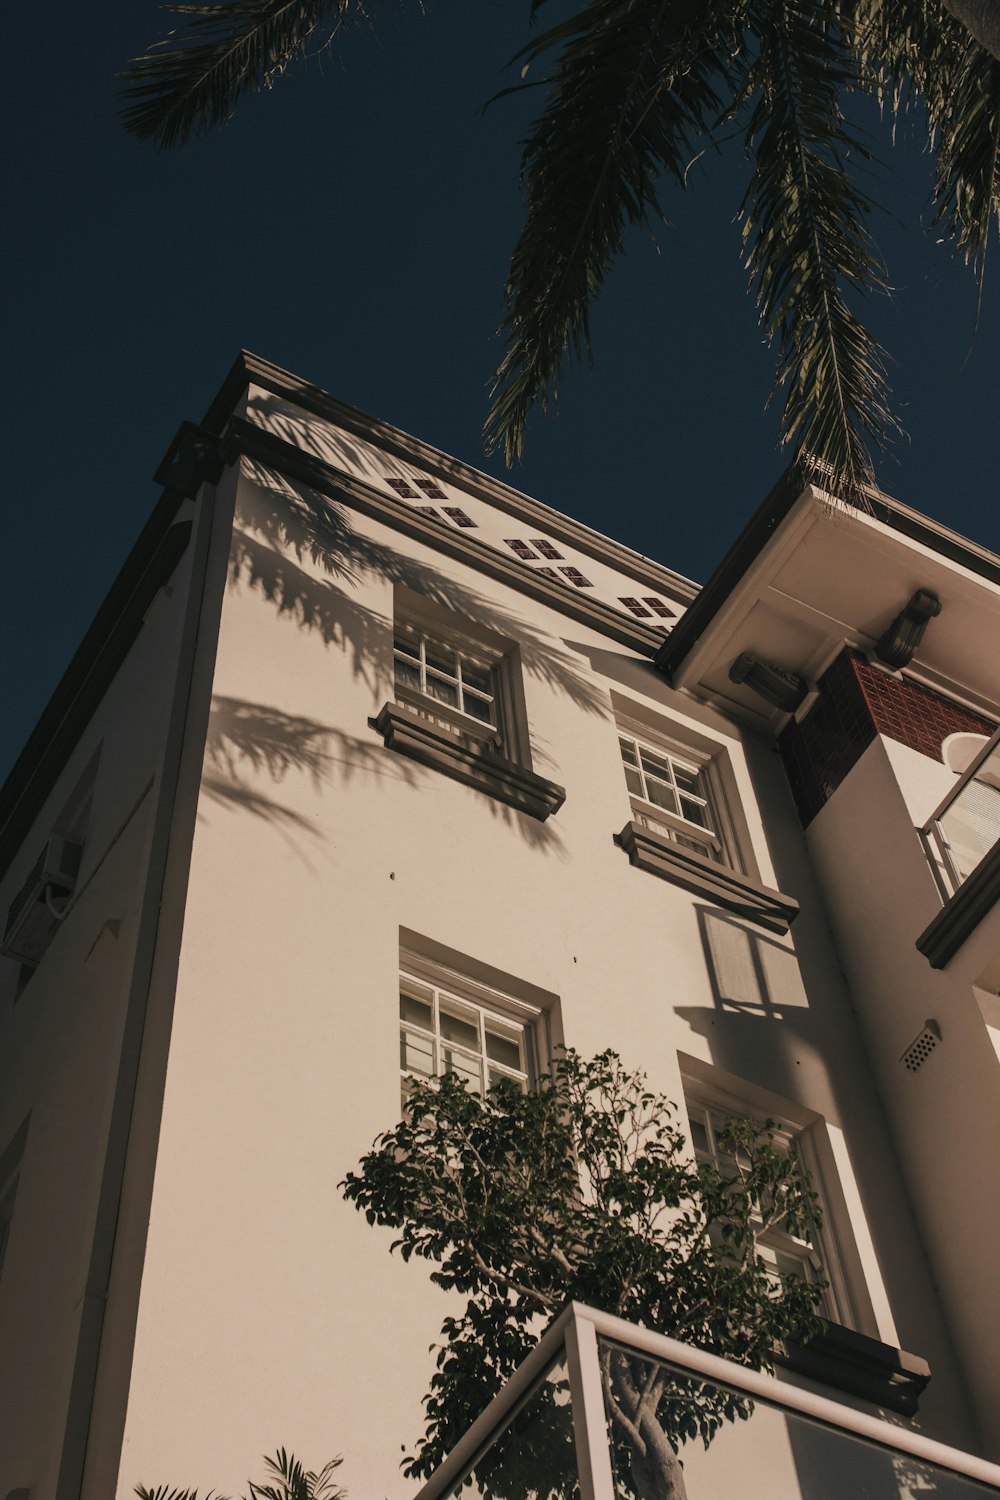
(270, 1312)
(946, 1116)
(59, 1048)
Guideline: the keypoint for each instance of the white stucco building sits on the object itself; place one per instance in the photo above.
(354, 710)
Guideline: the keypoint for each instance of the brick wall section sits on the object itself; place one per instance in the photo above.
(819, 752)
(914, 715)
(857, 702)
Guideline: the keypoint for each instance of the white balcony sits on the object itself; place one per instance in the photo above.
(604, 1410)
(966, 826)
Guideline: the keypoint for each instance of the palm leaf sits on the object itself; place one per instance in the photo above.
(193, 79)
(967, 185)
(916, 53)
(634, 84)
(807, 246)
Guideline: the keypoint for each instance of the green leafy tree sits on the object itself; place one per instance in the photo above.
(634, 92)
(287, 1480)
(583, 1189)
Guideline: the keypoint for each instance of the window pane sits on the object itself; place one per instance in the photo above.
(419, 1012)
(459, 1025)
(441, 690)
(628, 752)
(633, 781)
(699, 1137)
(661, 795)
(407, 673)
(504, 1048)
(687, 779)
(784, 1264)
(416, 1054)
(659, 765)
(494, 1075)
(467, 1068)
(440, 659)
(474, 675)
(694, 812)
(478, 707)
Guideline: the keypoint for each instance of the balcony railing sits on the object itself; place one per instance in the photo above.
(604, 1410)
(966, 826)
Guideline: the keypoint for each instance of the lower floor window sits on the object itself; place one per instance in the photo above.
(440, 1033)
(782, 1254)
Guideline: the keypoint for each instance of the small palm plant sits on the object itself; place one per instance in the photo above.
(290, 1482)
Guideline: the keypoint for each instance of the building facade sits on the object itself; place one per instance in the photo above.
(371, 766)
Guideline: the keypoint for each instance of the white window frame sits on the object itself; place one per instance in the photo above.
(424, 978)
(820, 1255)
(422, 638)
(718, 842)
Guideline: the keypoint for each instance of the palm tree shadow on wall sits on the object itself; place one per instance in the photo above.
(280, 526)
(338, 447)
(249, 745)
(250, 749)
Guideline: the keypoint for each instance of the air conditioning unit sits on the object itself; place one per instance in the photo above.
(35, 911)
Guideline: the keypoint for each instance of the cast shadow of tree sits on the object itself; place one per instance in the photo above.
(280, 525)
(373, 458)
(248, 744)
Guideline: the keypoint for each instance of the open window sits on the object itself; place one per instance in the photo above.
(848, 1354)
(458, 705)
(687, 825)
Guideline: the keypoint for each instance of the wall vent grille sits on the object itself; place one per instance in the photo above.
(921, 1047)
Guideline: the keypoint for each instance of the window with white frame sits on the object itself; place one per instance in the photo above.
(452, 677)
(482, 1040)
(674, 793)
(784, 1254)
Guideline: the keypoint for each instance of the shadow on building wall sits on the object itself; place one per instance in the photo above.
(279, 525)
(251, 748)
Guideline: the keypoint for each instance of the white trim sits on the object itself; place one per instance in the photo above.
(760, 1387)
(846, 1303)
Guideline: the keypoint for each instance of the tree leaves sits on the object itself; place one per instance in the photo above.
(635, 91)
(582, 1189)
(295, 1482)
(806, 242)
(632, 90)
(193, 79)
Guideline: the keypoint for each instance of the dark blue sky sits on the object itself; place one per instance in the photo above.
(354, 225)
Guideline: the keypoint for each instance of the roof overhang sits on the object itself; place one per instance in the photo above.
(809, 575)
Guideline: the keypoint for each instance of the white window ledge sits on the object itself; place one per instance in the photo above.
(705, 877)
(449, 750)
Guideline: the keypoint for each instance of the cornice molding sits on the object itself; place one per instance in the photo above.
(252, 369)
(961, 915)
(244, 437)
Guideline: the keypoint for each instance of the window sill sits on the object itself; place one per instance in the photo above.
(861, 1366)
(694, 872)
(458, 756)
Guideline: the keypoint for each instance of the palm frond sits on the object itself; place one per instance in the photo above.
(193, 79)
(916, 53)
(297, 1482)
(806, 242)
(634, 83)
(163, 1492)
(967, 185)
